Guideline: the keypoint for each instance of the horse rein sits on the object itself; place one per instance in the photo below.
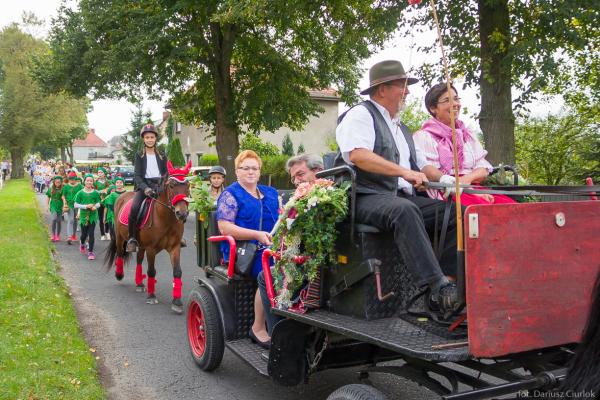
(169, 199)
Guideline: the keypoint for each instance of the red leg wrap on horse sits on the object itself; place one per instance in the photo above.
(176, 288)
(119, 265)
(151, 285)
(139, 276)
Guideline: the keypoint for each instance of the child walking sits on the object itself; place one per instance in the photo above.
(109, 204)
(55, 206)
(69, 191)
(101, 186)
(87, 200)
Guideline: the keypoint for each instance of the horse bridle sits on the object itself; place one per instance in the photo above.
(171, 200)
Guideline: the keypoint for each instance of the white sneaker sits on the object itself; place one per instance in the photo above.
(103, 237)
(107, 236)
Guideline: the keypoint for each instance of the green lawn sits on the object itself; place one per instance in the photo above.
(42, 352)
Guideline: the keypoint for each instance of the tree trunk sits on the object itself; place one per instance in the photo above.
(70, 154)
(63, 155)
(496, 118)
(16, 157)
(227, 142)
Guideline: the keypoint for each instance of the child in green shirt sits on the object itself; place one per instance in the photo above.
(68, 194)
(55, 206)
(101, 186)
(109, 204)
(87, 200)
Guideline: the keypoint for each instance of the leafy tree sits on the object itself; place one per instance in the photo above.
(413, 116)
(45, 151)
(558, 149)
(500, 45)
(228, 64)
(287, 146)
(250, 141)
(28, 115)
(301, 149)
(132, 142)
(170, 129)
(176, 154)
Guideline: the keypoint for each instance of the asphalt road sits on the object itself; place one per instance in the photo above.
(142, 350)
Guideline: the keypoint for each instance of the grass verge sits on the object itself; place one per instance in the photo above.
(42, 352)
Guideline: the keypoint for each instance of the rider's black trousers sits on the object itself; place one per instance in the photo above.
(136, 203)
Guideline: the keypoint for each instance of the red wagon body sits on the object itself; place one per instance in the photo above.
(529, 270)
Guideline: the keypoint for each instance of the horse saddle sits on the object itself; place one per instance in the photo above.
(143, 219)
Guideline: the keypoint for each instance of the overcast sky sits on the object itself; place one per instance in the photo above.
(112, 117)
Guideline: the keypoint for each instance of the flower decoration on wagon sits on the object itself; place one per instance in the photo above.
(305, 235)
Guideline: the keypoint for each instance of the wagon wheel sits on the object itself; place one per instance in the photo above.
(205, 333)
(357, 392)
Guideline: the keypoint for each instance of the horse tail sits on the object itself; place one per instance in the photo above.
(584, 369)
(111, 253)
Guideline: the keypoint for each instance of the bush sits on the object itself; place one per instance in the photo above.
(287, 146)
(273, 172)
(209, 160)
(253, 142)
(176, 154)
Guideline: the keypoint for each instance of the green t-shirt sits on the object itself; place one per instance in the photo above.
(101, 185)
(82, 197)
(109, 202)
(69, 193)
(56, 203)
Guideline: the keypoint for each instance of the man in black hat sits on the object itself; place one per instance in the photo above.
(388, 170)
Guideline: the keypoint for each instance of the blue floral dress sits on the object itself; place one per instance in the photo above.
(239, 207)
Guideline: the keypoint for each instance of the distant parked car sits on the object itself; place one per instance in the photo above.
(125, 171)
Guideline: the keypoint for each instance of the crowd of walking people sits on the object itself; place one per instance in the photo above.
(83, 199)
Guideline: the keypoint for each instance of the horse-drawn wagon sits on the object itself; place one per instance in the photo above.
(529, 274)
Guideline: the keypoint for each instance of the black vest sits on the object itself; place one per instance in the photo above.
(385, 146)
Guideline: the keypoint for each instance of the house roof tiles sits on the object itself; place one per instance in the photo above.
(91, 140)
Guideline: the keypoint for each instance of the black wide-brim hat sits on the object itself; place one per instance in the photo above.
(387, 71)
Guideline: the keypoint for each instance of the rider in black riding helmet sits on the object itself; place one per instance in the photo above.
(150, 166)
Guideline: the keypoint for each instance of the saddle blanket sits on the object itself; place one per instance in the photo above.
(145, 207)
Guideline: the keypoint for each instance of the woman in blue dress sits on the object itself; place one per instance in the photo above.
(239, 210)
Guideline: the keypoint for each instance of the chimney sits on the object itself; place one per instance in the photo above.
(166, 115)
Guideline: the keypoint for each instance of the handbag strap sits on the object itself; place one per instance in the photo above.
(261, 209)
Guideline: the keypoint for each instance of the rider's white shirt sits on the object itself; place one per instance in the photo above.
(152, 170)
(356, 131)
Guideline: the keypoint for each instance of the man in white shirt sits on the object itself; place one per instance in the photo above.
(388, 170)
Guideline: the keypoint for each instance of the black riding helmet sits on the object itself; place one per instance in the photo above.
(148, 128)
(217, 169)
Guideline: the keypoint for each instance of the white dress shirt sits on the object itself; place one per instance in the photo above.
(356, 131)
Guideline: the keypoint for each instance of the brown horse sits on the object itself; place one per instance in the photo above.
(169, 213)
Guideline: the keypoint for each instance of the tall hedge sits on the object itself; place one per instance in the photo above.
(176, 154)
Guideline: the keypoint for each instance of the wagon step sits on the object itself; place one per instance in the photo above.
(250, 353)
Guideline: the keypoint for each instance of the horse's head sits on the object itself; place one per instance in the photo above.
(178, 190)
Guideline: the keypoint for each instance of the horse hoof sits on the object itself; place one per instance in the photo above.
(119, 276)
(140, 288)
(152, 300)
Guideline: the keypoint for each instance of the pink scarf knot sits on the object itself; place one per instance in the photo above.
(442, 134)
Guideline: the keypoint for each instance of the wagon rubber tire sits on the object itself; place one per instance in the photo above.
(205, 333)
(357, 392)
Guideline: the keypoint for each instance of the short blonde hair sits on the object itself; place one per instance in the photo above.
(245, 155)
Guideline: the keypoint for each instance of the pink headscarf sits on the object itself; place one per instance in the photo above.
(442, 134)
